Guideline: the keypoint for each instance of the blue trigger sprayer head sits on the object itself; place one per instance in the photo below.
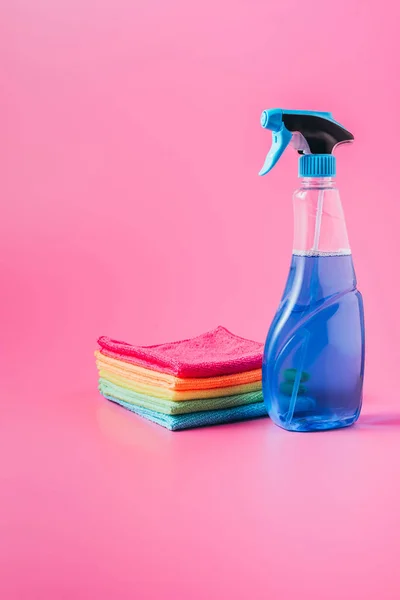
(281, 137)
(313, 134)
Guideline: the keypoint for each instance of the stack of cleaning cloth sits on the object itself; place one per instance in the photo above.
(207, 380)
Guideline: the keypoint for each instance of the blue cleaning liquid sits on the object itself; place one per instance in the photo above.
(313, 365)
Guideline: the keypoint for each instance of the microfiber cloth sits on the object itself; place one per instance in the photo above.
(169, 407)
(218, 352)
(131, 384)
(198, 419)
(149, 377)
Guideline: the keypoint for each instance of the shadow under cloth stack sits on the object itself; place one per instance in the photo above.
(207, 380)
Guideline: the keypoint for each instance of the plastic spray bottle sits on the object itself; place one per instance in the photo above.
(313, 365)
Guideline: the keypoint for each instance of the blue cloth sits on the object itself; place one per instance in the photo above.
(198, 419)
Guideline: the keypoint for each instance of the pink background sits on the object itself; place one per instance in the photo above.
(130, 147)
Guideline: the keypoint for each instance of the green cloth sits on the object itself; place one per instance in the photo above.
(169, 407)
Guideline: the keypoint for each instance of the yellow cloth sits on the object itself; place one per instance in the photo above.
(130, 383)
(154, 378)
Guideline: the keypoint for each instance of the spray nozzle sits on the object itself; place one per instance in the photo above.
(309, 132)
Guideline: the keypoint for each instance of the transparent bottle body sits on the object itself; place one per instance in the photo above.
(313, 365)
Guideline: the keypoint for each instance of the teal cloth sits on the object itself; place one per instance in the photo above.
(197, 419)
(170, 407)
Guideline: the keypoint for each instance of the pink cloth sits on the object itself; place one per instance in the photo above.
(217, 352)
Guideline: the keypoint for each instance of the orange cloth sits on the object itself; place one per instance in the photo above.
(163, 380)
(159, 392)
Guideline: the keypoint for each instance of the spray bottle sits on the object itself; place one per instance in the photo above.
(313, 365)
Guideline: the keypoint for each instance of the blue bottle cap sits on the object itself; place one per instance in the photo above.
(317, 165)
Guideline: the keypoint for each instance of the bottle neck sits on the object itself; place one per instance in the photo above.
(318, 183)
(319, 224)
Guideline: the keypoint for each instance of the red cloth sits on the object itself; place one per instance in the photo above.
(217, 352)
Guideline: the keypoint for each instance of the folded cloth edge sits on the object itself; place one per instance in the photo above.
(153, 359)
(200, 419)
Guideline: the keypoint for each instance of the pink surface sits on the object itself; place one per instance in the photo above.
(100, 504)
(130, 147)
